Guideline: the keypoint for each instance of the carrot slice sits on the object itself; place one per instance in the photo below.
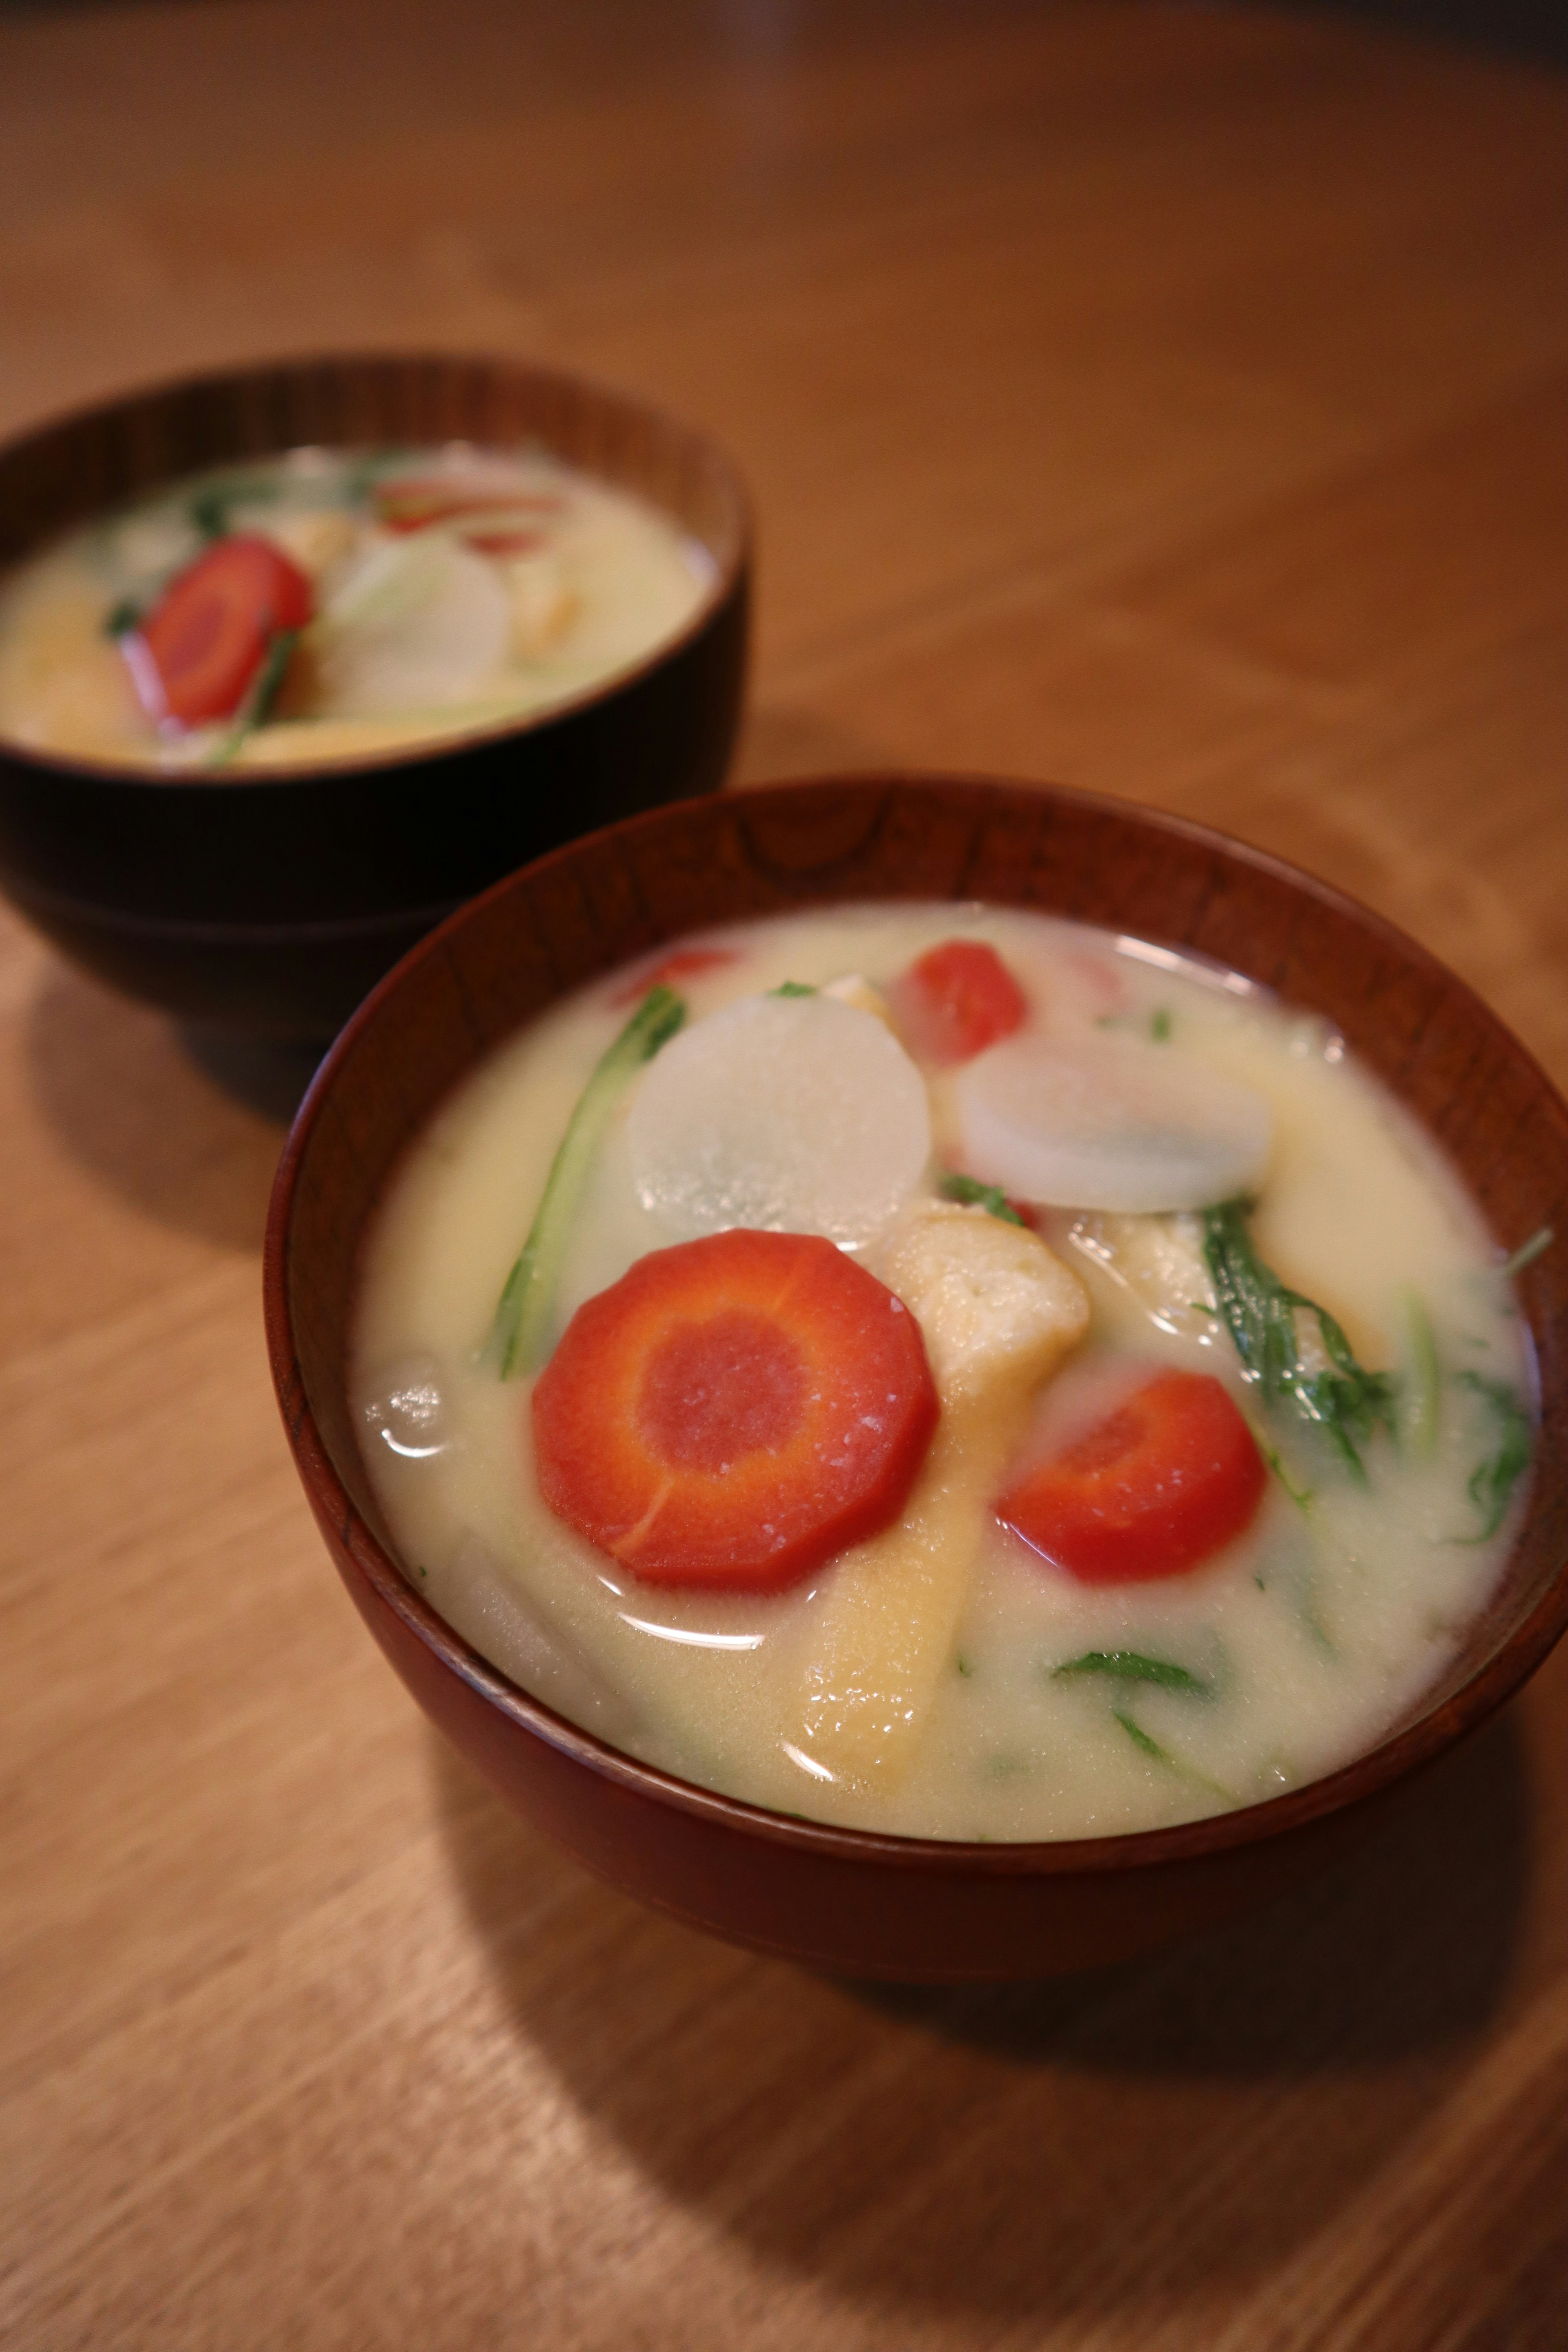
(407, 504)
(211, 629)
(502, 544)
(683, 963)
(734, 1411)
(956, 1000)
(1167, 1480)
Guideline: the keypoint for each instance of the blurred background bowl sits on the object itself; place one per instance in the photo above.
(874, 1905)
(270, 903)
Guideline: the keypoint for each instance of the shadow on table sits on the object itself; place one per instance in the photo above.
(1089, 2142)
(787, 739)
(183, 1124)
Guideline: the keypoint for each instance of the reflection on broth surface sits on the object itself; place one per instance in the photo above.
(968, 1376)
(335, 603)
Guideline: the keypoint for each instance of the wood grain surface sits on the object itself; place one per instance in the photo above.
(1166, 399)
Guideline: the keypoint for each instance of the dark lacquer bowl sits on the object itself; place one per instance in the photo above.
(271, 902)
(873, 1904)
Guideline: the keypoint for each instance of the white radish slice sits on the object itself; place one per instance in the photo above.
(420, 622)
(788, 1114)
(1116, 1124)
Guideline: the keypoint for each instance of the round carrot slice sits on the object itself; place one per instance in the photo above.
(213, 624)
(1167, 1480)
(955, 1000)
(734, 1411)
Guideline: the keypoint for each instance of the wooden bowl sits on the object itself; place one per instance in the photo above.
(863, 1904)
(271, 902)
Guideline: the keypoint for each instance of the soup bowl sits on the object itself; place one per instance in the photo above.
(271, 901)
(865, 1903)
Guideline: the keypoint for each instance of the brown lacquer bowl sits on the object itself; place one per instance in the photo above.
(271, 902)
(873, 1904)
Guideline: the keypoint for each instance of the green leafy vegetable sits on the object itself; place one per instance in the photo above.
(209, 513)
(965, 1665)
(1422, 1391)
(210, 507)
(793, 987)
(520, 1334)
(363, 471)
(1347, 1402)
(974, 1195)
(121, 619)
(1527, 1253)
(1132, 1667)
(1177, 1764)
(259, 694)
(1301, 1495)
(1491, 1483)
(1160, 1024)
(1141, 1738)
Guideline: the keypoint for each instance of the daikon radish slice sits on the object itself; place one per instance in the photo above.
(997, 1312)
(787, 1114)
(1112, 1125)
(420, 623)
(514, 1628)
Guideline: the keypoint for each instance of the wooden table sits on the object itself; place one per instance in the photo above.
(1167, 399)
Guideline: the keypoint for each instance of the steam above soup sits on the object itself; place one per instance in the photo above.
(330, 605)
(945, 1371)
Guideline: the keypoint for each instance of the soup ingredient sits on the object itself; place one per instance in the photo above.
(210, 631)
(1158, 1260)
(551, 1663)
(1491, 1483)
(1267, 1321)
(1132, 1667)
(1527, 1253)
(1113, 1124)
(686, 964)
(955, 1000)
(971, 1193)
(854, 988)
(418, 623)
(734, 1411)
(790, 1114)
(1421, 1389)
(1161, 1485)
(491, 499)
(256, 703)
(521, 1333)
(999, 1312)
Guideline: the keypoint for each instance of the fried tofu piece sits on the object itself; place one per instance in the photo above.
(998, 1312)
(854, 988)
(1157, 1261)
(996, 1308)
(313, 537)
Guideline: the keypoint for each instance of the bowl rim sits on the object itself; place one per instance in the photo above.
(730, 574)
(1397, 1756)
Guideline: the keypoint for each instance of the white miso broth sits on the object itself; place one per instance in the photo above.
(946, 1674)
(329, 603)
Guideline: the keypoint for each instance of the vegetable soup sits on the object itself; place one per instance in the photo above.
(945, 1371)
(329, 604)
